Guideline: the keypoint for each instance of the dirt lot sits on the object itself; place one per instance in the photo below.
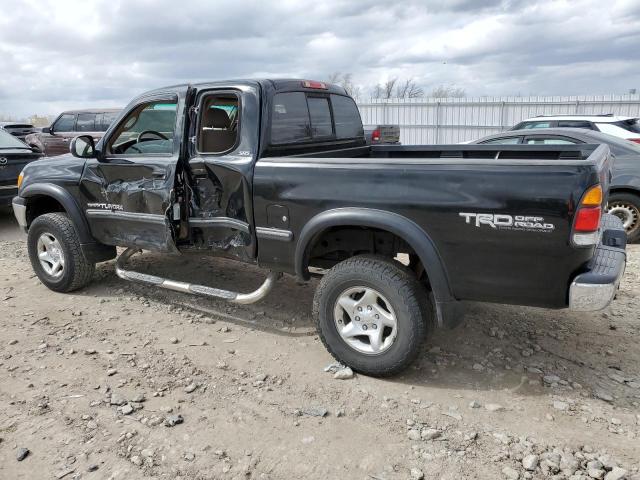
(90, 379)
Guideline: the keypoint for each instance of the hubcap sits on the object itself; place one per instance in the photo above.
(365, 320)
(50, 255)
(626, 212)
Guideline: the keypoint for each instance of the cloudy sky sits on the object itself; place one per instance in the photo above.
(63, 54)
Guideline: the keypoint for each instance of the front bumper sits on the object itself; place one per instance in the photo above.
(20, 211)
(595, 288)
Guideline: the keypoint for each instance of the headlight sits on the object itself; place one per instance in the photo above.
(20, 177)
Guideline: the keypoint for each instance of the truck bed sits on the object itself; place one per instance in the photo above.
(433, 186)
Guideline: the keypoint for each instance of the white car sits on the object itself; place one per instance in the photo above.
(616, 125)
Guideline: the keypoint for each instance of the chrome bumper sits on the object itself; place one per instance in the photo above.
(20, 211)
(595, 289)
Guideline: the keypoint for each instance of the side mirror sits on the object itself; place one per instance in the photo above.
(83, 147)
(47, 130)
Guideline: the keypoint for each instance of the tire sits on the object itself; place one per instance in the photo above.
(392, 291)
(626, 206)
(54, 233)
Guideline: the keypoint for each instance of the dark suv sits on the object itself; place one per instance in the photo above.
(54, 140)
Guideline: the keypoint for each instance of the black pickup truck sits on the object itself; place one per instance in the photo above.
(277, 173)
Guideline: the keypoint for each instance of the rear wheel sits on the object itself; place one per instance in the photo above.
(372, 314)
(56, 255)
(626, 206)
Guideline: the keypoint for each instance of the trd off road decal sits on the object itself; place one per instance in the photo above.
(500, 221)
(105, 206)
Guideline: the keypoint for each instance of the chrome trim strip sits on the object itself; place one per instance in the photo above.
(8, 187)
(20, 212)
(219, 222)
(268, 233)
(127, 216)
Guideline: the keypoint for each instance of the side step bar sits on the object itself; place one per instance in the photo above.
(234, 297)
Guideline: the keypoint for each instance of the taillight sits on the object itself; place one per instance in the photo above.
(375, 136)
(634, 140)
(587, 221)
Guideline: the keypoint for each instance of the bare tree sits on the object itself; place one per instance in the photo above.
(385, 90)
(345, 80)
(448, 91)
(409, 89)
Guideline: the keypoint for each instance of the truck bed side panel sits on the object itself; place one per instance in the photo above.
(517, 265)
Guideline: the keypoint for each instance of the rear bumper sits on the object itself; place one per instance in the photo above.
(595, 288)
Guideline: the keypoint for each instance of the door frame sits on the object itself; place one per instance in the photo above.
(129, 198)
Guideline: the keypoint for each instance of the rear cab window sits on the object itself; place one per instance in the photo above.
(298, 117)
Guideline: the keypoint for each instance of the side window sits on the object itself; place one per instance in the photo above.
(219, 123)
(105, 120)
(346, 117)
(503, 141)
(86, 122)
(148, 129)
(549, 141)
(320, 115)
(290, 118)
(65, 123)
(574, 124)
(536, 125)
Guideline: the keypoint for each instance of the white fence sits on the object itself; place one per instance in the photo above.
(454, 120)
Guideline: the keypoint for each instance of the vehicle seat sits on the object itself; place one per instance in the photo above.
(216, 135)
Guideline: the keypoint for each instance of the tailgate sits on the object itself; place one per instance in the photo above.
(389, 133)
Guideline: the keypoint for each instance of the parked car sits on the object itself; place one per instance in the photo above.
(624, 193)
(382, 134)
(276, 173)
(616, 125)
(14, 155)
(54, 140)
(20, 130)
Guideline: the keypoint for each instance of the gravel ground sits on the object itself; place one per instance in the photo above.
(119, 381)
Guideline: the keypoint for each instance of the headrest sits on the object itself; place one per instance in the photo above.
(216, 118)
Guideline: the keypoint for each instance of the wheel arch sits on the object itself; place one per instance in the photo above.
(633, 190)
(38, 194)
(396, 224)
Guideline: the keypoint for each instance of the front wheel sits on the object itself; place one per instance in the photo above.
(626, 206)
(56, 255)
(372, 314)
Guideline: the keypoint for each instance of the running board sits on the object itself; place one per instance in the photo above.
(233, 297)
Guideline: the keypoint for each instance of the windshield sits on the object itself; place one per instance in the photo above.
(8, 141)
